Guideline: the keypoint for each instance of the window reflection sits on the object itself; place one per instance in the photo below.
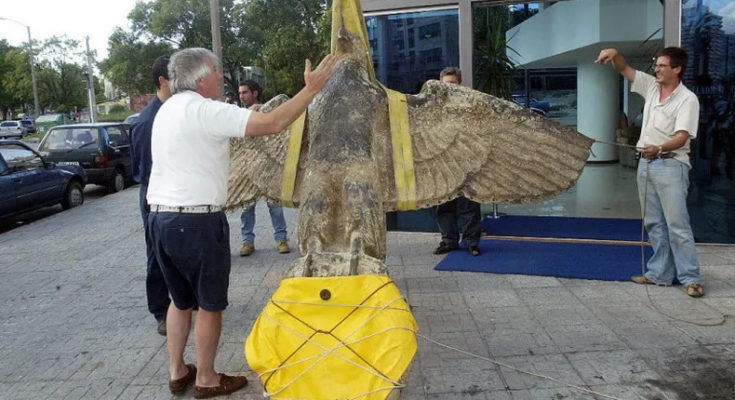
(708, 36)
(410, 48)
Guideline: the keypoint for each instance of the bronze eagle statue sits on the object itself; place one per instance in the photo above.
(461, 142)
(359, 151)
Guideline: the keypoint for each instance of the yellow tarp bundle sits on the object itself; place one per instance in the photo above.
(348, 337)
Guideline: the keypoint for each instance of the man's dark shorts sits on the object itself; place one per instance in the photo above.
(194, 253)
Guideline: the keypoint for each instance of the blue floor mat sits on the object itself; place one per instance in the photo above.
(564, 260)
(564, 227)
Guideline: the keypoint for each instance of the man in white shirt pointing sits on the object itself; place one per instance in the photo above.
(670, 120)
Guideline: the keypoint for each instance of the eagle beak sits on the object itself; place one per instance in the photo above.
(343, 33)
(348, 23)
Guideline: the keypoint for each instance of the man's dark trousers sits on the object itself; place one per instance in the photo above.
(155, 285)
(465, 213)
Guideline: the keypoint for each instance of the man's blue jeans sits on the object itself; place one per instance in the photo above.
(667, 221)
(247, 221)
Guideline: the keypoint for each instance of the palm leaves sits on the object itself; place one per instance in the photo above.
(493, 65)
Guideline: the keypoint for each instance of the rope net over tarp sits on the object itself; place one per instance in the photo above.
(348, 337)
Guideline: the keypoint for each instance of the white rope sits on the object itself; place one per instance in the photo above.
(723, 317)
(518, 369)
(321, 357)
(341, 305)
(396, 385)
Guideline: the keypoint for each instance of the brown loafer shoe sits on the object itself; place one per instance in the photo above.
(178, 386)
(227, 385)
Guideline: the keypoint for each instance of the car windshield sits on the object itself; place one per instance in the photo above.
(131, 119)
(16, 154)
(26, 122)
(69, 139)
(48, 118)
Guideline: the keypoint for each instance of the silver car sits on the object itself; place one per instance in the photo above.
(12, 129)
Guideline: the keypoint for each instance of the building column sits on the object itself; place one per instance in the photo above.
(466, 42)
(598, 105)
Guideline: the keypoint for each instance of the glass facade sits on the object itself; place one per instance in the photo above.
(548, 90)
(708, 36)
(412, 47)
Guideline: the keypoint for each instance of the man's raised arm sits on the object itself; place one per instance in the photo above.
(618, 61)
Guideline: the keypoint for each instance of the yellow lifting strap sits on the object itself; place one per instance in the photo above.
(348, 13)
(290, 168)
(402, 151)
(345, 337)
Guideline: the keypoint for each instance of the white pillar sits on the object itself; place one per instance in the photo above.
(598, 96)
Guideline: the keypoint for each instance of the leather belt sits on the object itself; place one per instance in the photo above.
(186, 209)
(661, 156)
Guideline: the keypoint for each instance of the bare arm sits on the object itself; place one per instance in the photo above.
(277, 120)
(679, 139)
(618, 62)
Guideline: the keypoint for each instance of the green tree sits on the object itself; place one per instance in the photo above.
(15, 80)
(128, 65)
(274, 35)
(60, 75)
(280, 34)
(61, 86)
(187, 23)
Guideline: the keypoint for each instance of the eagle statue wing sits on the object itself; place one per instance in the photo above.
(468, 143)
(257, 164)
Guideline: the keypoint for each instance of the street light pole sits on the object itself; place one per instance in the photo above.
(37, 105)
(216, 37)
(33, 68)
(90, 86)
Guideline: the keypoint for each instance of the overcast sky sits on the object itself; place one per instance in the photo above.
(73, 18)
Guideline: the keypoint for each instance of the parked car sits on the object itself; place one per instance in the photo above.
(539, 107)
(29, 124)
(130, 119)
(28, 182)
(12, 129)
(102, 149)
(48, 121)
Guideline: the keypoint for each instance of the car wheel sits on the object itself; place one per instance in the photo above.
(74, 196)
(117, 183)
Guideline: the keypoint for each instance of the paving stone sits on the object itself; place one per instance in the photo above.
(75, 323)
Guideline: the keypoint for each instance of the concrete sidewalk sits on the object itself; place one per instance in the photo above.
(75, 323)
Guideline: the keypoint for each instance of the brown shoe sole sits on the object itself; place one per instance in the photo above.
(178, 386)
(227, 384)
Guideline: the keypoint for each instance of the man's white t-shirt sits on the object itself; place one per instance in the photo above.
(662, 119)
(190, 148)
